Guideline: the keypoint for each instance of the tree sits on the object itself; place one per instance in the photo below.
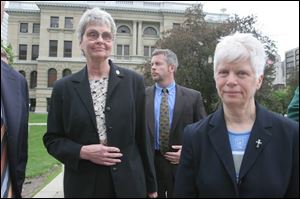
(292, 82)
(194, 43)
(10, 53)
(280, 100)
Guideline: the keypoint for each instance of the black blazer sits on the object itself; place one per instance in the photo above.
(14, 95)
(188, 109)
(272, 170)
(72, 124)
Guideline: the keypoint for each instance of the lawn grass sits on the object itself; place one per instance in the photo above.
(37, 118)
(41, 167)
(39, 161)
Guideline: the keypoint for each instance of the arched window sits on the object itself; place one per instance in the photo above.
(66, 72)
(23, 73)
(52, 76)
(33, 79)
(150, 31)
(123, 29)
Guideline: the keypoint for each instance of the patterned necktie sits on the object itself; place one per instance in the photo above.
(6, 187)
(164, 122)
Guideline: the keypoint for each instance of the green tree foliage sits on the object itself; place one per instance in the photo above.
(280, 100)
(292, 82)
(10, 53)
(194, 43)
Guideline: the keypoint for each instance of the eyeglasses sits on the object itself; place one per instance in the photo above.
(94, 35)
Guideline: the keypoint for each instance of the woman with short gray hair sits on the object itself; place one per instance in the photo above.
(96, 123)
(242, 150)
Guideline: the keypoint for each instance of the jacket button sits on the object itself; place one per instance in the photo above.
(114, 168)
(108, 108)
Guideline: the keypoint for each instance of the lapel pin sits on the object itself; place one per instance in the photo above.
(258, 143)
(117, 72)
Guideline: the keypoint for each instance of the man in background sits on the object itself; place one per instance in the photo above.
(14, 129)
(169, 107)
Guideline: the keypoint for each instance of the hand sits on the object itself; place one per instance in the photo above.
(100, 154)
(174, 157)
(152, 195)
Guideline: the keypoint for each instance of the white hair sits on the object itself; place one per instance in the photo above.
(241, 46)
(97, 17)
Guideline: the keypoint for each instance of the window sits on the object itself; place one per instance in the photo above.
(119, 49)
(24, 27)
(33, 79)
(150, 31)
(67, 48)
(68, 22)
(22, 73)
(32, 104)
(34, 52)
(36, 28)
(66, 72)
(126, 50)
(123, 29)
(123, 50)
(22, 52)
(52, 76)
(148, 50)
(54, 22)
(176, 25)
(53, 48)
(48, 103)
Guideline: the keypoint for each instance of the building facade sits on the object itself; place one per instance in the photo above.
(291, 62)
(279, 81)
(4, 29)
(43, 37)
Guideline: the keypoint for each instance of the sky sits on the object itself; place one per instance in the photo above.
(279, 20)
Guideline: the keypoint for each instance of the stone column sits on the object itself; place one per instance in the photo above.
(42, 87)
(139, 43)
(161, 29)
(134, 37)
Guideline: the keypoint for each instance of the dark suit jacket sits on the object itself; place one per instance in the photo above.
(188, 109)
(72, 124)
(272, 170)
(14, 94)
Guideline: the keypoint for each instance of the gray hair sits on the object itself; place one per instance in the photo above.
(241, 46)
(97, 17)
(171, 57)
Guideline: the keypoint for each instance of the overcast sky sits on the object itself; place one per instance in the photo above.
(279, 20)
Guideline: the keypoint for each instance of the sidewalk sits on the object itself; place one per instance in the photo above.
(37, 124)
(54, 189)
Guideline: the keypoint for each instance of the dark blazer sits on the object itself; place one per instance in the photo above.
(14, 95)
(271, 170)
(72, 124)
(188, 109)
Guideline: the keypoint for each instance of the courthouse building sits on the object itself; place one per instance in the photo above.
(44, 41)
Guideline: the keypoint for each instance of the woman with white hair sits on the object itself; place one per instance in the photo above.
(242, 149)
(96, 123)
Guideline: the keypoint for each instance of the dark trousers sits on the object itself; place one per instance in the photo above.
(164, 176)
